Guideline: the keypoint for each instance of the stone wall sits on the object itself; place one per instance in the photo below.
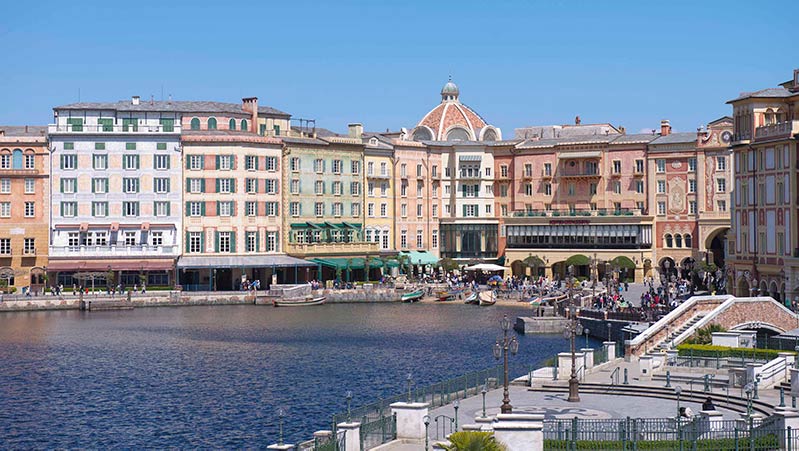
(360, 295)
(766, 311)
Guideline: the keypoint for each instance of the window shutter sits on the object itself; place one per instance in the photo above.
(202, 240)
(232, 242)
(188, 161)
(93, 189)
(202, 185)
(186, 250)
(168, 162)
(217, 207)
(464, 211)
(188, 209)
(188, 185)
(169, 208)
(137, 162)
(168, 188)
(202, 209)
(202, 162)
(256, 162)
(62, 161)
(216, 245)
(232, 185)
(217, 185)
(234, 164)
(93, 212)
(257, 241)
(62, 185)
(217, 162)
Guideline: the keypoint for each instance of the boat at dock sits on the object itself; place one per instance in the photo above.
(471, 299)
(448, 295)
(487, 298)
(413, 296)
(299, 302)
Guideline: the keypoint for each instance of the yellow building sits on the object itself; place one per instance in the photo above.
(379, 193)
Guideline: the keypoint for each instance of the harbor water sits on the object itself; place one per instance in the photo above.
(214, 377)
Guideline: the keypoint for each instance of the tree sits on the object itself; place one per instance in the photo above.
(404, 263)
(448, 264)
(474, 441)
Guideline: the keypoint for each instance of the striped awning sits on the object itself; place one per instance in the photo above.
(470, 157)
(578, 155)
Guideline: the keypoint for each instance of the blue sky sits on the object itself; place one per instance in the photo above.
(383, 63)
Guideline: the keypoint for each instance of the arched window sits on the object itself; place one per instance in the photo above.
(458, 134)
(688, 240)
(244, 125)
(211, 123)
(232, 124)
(677, 240)
(16, 159)
(422, 134)
(195, 124)
(668, 240)
(490, 135)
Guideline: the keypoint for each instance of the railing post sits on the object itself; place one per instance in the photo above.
(668, 379)
(625, 377)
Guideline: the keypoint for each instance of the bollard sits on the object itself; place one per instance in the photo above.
(789, 440)
(793, 401)
(782, 397)
(668, 379)
(625, 377)
(707, 383)
(457, 405)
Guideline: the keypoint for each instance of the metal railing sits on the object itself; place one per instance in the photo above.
(379, 431)
(114, 128)
(660, 433)
(597, 212)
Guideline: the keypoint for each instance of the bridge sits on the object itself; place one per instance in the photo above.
(733, 313)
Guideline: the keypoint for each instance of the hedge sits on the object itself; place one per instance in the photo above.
(765, 442)
(726, 351)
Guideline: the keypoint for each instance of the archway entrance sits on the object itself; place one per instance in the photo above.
(742, 289)
(667, 268)
(716, 245)
(518, 268)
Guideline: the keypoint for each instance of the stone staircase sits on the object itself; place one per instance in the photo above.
(666, 343)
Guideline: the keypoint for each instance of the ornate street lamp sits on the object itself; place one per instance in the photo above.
(504, 345)
(573, 328)
(280, 414)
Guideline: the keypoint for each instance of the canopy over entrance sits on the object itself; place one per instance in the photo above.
(420, 257)
(485, 267)
(240, 261)
(578, 260)
(352, 263)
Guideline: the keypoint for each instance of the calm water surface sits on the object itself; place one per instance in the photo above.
(215, 376)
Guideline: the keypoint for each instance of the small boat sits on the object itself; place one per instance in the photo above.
(471, 299)
(487, 298)
(448, 295)
(413, 296)
(299, 302)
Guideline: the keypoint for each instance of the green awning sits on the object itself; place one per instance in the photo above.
(578, 260)
(304, 225)
(331, 225)
(354, 263)
(420, 257)
(352, 225)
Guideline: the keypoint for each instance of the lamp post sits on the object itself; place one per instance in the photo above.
(409, 380)
(748, 390)
(502, 346)
(665, 279)
(349, 403)
(573, 328)
(678, 391)
(483, 392)
(280, 414)
(426, 420)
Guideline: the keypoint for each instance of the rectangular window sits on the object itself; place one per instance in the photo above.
(571, 189)
(29, 246)
(691, 186)
(294, 164)
(68, 162)
(503, 170)
(355, 166)
(355, 188)
(617, 166)
(547, 188)
(105, 124)
(68, 209)
(196, 162)
(30, 161)
(384, 189)
(167, 125)
(319, 209)
(225, 241)
(251, 208)
(639, 166)
(355, 209)
(99, 209)
(224, 186)
(130, 209)
(419, 211)
(419, 239)
(128, 146)
(337, 166)
(130, 162)
(161, 162)
(157, 238)
(337, 188)
(195, 242)
(130, 185)
(69, 186)
(370, 210)
(370, 168)
(661, 208)
(196, 209)
(547, 169)
(224, 162)
(319, 165)
(383, 210)
(639, 186)
(404, 210)
(251, 185)
(160, 146)
(691, 165)
(660, 165)
(195, 185)
(435, 210)
(419, 189)
(721, 185)
(370, 189)
(5, 162)
(721, 205)
(251, 163)
(319, 187)
(224, 208)
(419, 170)
(528, 189)
(271, 163)
(101, 146)
(404, 239)
(130, 125)
(271, 186)
(271, 241)
(528, 170)
(161, 185)
(30, 186)
(721, 163)
(661, 184)
(271, 208)
(100, 185)
(692, 207)
(5, 246)
(591, 189)
(30, 209)
(161, 208)
(294, 208)
(251, 242)
(338, 209)
(5, 185)
(295, 187)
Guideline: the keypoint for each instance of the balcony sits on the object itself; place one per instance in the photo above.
(6, 172)
(114, 250)
(380, 175)
(93, 129)
(576, 213)
(303, 249)
(470, 175)
(29, 253)
(638, 173)
(545, 174)
(615, 174)
(579, 175)
(778, 130)
(527, 175)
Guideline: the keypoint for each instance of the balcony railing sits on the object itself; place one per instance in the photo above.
(359, 247)
(591, 173)
(470, 174)
(111, 250)
(576, 213)
(378, 175)
(117, 128)
(9, 172)
(779, 129)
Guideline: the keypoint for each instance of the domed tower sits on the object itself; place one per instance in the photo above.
(453, 121)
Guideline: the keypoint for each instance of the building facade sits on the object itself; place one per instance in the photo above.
(24, 207)
(379, 193)
(764, 254)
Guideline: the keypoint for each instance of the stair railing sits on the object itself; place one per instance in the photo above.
(614, 376)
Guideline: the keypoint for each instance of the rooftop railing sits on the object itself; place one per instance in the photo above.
(114, 128)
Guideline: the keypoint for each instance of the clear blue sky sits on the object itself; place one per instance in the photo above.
(383, 63)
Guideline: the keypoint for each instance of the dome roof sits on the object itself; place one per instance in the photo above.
(453, 121)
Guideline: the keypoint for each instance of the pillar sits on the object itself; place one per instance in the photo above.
(588, 354)
(410, 420)
(795, 382)
(548, 272)
(639, 274)
(520, 432)
(711, 420)
(787, 417)
(352, 432)
(645, 367)
(610, 349)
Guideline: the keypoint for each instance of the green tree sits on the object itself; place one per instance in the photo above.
(447, 264)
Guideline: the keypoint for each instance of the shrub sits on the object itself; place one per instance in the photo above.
(474, 441)
(704, 336)
(696, 350)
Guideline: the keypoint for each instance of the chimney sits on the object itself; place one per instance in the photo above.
(622, 130)
(665, 127)
(135, 100)
(577, 120)
(356, 130)
(250, 104)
